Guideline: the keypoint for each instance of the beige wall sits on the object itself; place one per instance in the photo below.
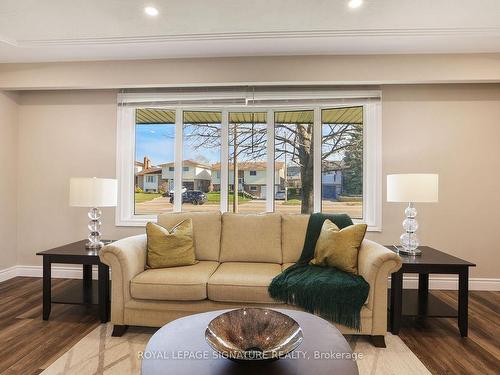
(8, 179)
(453, 130)
(368, 69)
(62, 135)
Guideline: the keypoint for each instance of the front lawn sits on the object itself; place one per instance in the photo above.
(214, 197)
(144, 197)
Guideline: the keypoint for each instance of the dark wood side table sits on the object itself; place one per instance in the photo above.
(90, 292)
(420, 302)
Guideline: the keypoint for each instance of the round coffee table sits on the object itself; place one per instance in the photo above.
(180, 348)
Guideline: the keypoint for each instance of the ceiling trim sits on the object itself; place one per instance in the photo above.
(297, 34)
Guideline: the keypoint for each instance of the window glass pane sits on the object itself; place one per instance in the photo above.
(293, 153)
(154, 146)
(342, 161)
(201, 153)
(247, 152)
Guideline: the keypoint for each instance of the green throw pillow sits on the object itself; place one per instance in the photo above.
(170, 247)
(339, 248)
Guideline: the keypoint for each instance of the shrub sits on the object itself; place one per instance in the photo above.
(138, 190)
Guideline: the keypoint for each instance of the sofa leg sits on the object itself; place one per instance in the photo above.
(118, 330)
(378, 341)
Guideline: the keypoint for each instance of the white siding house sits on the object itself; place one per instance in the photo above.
(251, 177)
(195, 176)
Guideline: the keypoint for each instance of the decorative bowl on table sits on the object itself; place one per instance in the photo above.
(253, 334)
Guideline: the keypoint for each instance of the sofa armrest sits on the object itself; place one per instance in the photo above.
(375, 264)
(126, 258)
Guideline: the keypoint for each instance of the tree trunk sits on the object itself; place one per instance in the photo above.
(305, 151)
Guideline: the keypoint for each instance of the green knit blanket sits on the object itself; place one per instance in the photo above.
(326, 291)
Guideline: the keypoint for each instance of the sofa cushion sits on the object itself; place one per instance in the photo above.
(251, 238)
(170, 247)
(186, 283)
(206, 231)
(294, 228)
(284, 266)
(339, 247)
(242, 282)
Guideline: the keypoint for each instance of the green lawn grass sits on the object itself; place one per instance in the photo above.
(214, 197)
(144, 197)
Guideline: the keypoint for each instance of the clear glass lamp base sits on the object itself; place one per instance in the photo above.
(409, 240)
(94, 239)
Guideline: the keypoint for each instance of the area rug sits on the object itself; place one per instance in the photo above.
(99, 353)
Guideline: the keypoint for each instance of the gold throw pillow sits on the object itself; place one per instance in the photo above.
(170, 247)
(339, 248)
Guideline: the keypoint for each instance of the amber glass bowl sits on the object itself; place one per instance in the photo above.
(253, 334)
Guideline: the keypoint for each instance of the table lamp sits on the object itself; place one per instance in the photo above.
(94, 193)
(411, 188)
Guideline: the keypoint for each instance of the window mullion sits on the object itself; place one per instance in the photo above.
(224, 161)
(317, 159)
(178, 160)
(270, 172)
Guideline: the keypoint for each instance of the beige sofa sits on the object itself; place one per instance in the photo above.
(239, 254)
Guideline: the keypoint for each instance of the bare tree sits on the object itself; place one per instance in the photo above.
(294, 142)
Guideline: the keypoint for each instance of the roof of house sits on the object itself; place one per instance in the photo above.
(139, 164)
(251, 165)
(152, 170)
(187, 162)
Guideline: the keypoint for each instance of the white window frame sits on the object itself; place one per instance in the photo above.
(372, 146)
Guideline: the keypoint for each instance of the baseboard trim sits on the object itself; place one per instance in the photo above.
(58, 272)
(451, 283)
(8, 273)
(409, 282)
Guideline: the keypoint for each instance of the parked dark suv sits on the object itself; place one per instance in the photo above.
(192, 196)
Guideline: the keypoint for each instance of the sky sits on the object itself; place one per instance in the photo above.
(157, 143)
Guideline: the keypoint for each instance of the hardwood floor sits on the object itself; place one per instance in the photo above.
(437, 342)
(28, 344)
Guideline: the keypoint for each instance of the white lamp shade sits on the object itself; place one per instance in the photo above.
(92, 192)
(416, 187)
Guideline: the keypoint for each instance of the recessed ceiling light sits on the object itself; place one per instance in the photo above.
(355, 3)
(151, 11)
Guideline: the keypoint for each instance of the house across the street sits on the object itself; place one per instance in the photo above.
(149, 178)
(195, 175)
(251, 177)
(331, 179)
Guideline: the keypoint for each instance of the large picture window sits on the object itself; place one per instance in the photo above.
(314, 155)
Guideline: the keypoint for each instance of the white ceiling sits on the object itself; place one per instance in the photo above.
(71, 30)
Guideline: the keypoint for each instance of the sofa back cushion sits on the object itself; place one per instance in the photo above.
(294, 228)
(251, 238)
(206, 231)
